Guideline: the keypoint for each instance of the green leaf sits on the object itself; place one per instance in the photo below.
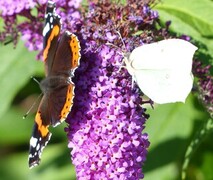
(55, 164)
(195, 143)
(17, 66)
(13, 119)
(196, 13)
(8, 127)
(207, 165)
(171, 10)
(170, 121)
(169, 128)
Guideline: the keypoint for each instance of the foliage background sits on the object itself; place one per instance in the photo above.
(171, 127)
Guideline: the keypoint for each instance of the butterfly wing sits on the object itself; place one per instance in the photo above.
(64, 64)
(165, 54)
(61, 58)
(51, 33)
(40, 135)
(67, 57)
(163, 69)
(167, 88)
(60, 103)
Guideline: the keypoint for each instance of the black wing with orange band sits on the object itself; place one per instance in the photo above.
(61, 58)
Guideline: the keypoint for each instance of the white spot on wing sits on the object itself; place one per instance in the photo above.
(30, 155)
(33, 142)
(57, 124)
(51, 19)
(37, 147)
(68, 33)
(46, 29)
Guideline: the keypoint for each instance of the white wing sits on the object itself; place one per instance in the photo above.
(164, 86)
(165, 54)
(162, 70)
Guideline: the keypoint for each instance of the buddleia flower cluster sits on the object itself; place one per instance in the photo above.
(106, 125)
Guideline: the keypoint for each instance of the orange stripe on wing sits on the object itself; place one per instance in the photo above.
(69, 102)
(55, 31)
(42, 128)
(75, 48)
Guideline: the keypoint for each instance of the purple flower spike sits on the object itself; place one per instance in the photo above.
(106, 122)
(12, 7)
(205, 84)
(30, 28)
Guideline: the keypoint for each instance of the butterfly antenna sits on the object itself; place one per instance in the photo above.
(35, 102)
(33, 105)
(123, 44)
(108, 43)
(35, 80)
(119, 34)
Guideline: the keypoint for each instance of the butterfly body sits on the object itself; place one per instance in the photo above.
(162, 70)
(61, 58)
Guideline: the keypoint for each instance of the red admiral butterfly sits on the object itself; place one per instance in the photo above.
(61, 58)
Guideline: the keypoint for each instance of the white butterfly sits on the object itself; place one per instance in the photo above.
(162, 70)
